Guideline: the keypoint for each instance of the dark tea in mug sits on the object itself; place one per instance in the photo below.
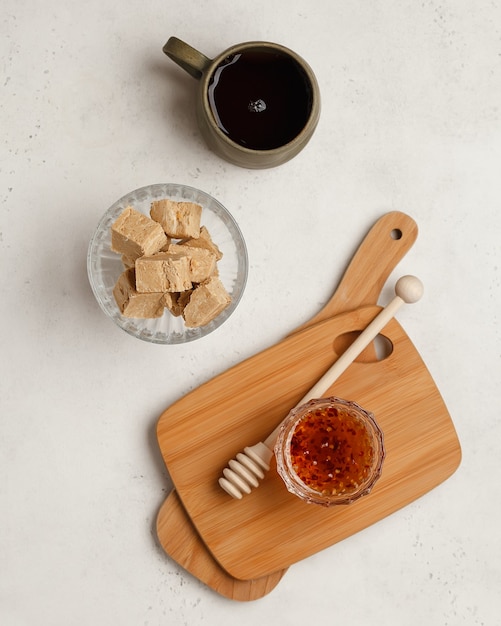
(257, 104)
(260, 98)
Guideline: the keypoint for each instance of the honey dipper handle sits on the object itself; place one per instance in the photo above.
(408, 289)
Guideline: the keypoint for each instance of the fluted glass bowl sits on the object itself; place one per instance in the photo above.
(105, 266)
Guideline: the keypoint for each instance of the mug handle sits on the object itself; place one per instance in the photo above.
(191, 60)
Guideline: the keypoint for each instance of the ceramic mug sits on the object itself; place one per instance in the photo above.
(258, 103)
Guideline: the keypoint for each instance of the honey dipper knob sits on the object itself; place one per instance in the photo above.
(409, 288)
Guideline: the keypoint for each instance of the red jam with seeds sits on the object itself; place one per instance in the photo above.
(329, 451)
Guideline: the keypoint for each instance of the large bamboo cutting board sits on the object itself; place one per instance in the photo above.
(270, 529)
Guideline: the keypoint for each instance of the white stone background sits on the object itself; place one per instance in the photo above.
(91, 109)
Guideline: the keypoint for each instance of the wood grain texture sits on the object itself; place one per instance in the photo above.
(389, 239)
(384, 246)
(265, 532)
(181, 541)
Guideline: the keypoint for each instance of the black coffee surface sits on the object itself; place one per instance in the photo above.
(261, 99)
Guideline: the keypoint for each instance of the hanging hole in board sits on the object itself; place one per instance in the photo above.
(378, 350)
(396, 234)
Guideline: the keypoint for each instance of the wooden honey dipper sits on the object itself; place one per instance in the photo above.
(248, 467)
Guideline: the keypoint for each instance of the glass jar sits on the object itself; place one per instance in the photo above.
(329, 451)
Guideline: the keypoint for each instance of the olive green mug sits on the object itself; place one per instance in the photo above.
(258, 103)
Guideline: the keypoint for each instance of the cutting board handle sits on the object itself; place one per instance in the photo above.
(377, 256)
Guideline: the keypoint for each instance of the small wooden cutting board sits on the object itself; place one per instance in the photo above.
(270, 529)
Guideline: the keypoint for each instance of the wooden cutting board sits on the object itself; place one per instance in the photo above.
(271, 529)
(266, 531)
(388, 240)
(181, 541)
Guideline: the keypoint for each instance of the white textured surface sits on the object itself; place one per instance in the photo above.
(91, 109)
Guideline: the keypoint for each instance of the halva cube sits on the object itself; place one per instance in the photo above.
(207, 301)
(134, 234)
(178, 219)
(162, 272)
(204, 241)
(202, 262)
(134, 304)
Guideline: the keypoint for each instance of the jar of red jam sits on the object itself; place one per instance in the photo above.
(329, 451)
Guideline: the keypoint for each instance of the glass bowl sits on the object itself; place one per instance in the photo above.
(329, 451)
(105, 266)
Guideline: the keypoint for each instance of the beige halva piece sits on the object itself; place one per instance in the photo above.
(207, 301)
(178, 219)
(134, 235)
(134, 304)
